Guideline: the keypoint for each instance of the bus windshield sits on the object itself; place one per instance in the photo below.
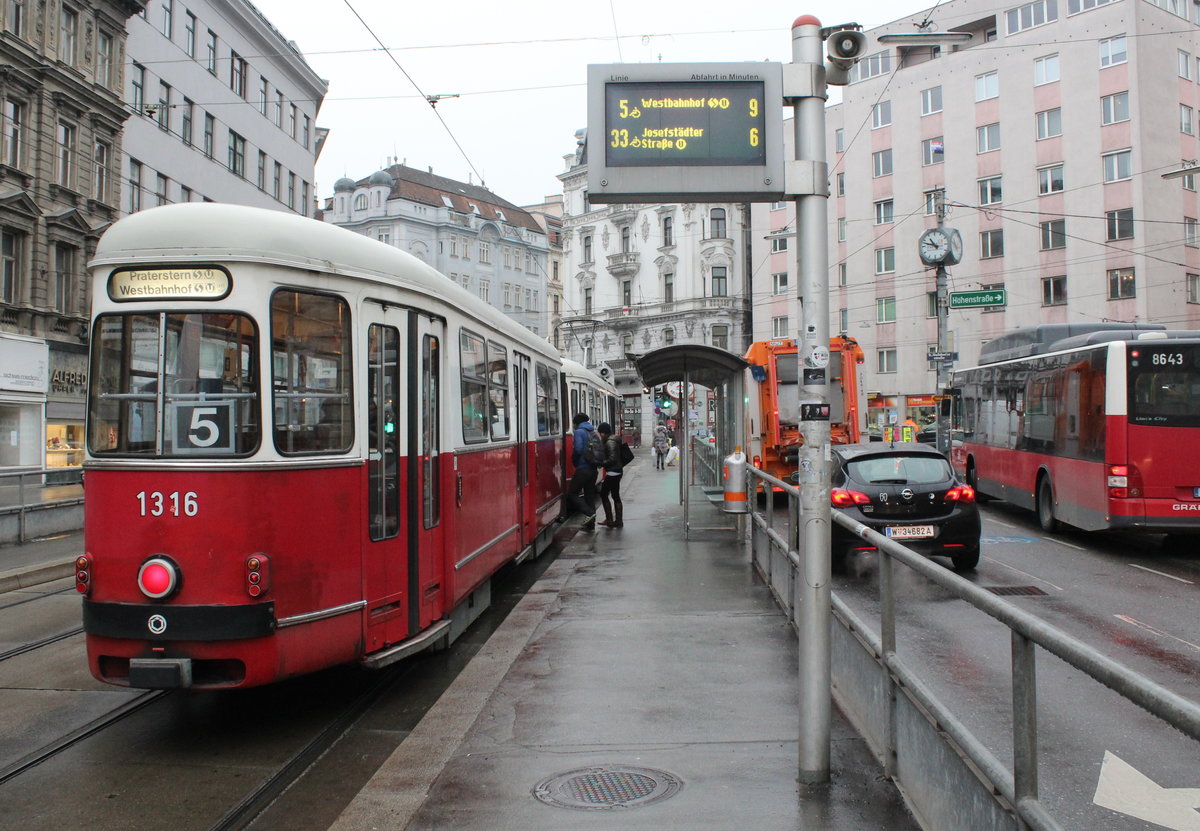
(173, 385)
(1164, 384)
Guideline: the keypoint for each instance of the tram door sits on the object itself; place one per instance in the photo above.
(402, 390)
(526, 501)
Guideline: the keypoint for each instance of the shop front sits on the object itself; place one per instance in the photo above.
(24, 380)
(882, 415)
(65, 405)
(922, 409)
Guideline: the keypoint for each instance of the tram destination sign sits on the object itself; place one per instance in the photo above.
(978, 299)
(684, 132)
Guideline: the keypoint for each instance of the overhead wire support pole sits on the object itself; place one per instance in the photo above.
(812, 342)
(942, 299)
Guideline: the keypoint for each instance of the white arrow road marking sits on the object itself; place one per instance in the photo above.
(1126, 790)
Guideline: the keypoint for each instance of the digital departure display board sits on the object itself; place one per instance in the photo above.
(685, 123)
(685, 132)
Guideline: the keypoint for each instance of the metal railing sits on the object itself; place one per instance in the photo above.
(777, 557)
(24, 493)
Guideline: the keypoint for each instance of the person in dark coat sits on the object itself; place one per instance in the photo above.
(583, 480)
(610, 486)
(661, 444)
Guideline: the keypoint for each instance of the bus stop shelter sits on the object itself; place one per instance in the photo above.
(701, 456)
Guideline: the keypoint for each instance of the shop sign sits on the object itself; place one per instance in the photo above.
(68, 373)
(24, 364)
(922, 400)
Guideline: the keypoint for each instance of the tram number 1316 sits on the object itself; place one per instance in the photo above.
(156, 503)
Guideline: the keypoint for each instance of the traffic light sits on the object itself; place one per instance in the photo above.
(667, 405)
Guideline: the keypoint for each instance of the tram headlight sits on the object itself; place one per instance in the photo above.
(159, 577)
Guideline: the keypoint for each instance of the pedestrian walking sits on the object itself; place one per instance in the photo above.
(610, 485)
(583, 481)
(661, 444)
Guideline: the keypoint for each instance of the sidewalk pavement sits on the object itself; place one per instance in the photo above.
(645, 682)
(39, 561)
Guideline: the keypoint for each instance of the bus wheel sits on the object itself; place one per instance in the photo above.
(973, 481)
(1045, 505)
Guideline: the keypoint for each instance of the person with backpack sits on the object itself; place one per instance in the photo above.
(587, 455)
(610, 486)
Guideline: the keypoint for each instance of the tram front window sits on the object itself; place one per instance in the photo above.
(173, 385)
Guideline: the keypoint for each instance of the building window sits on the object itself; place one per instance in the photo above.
(16, 15)
(10, 265)
(211, 52)
(210, 131)
(885, 309)
(933, 151)
(779, 283)
(1119, 224)
(720, 281)
(185, 127)
(987, 138)
(14, 120)
(841, 226)
(885, 361)
(237, 74)
(65, 139)
(779, 243)
(64, 278)
(1188, 181)
(625, 239)
(990, 190)
(167, 23)
(485, 291)
(626, 293)
(1045, 70)
(1121, 283)
(1185, 64)
(278, 109)
(871, 66)
(839, 140)
(137, 87)
(885, 260)
(1185, 120)
(882, 162)
(885, 212)
(160, 190)
(1054, 290)
(587, 248)
(991, 243)
(1193, 288)
(277, 182)
(1114, 108)
(292, 120)
(104, 59)
(987, 86)
(669, 288)
(779, 327)
(1054, 234)
(843, 321)
(68, 35)
(668, 230)
(881, 115)
(1030, 15)
(164, 106)
(189, 34)
(1049, 123)
(1112, 51)
(485, 252)
(841, 184)
(307, 129)
(1190, 237)
(1050, 179)
(931, 202)
(720, 336)
(1118, 166)
(135, 186)
(100, 155)
(185, 193)
(716, 220)
(261, 179)
(237, 155)
(843, 274)
(931, 100)
(1075, 6)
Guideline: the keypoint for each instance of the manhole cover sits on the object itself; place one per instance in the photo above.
(606, 787)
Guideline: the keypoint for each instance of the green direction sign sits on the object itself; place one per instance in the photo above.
(977, 299)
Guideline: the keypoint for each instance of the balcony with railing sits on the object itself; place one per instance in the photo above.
(624, 264)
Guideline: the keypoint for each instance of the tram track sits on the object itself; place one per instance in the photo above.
(46, 641)
(79, 734)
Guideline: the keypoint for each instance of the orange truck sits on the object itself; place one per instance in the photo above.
(773, 402)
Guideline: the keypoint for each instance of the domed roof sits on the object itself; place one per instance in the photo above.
(345, 183)
(380, 177)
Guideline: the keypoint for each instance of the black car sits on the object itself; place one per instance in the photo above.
(907, 492)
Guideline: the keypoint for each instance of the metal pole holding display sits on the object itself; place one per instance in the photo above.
(812, 261)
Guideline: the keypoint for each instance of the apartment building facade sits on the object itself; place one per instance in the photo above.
(223, 109)
(1049, 132)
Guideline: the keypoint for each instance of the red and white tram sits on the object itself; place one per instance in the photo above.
(304, 448)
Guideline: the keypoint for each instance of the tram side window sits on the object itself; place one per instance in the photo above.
(474, 386)
(202, 400)
(549, 416)
(498, 389)
(311, 375)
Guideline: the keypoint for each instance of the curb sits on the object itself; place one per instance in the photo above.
(24, 578)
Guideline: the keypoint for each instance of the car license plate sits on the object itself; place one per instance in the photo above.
(909, 532)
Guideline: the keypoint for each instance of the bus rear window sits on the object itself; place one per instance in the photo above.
(1164, 385)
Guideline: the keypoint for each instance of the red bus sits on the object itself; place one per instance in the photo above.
(1095, 425)
(773, 419)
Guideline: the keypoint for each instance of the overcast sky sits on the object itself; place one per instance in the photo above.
(519, 69)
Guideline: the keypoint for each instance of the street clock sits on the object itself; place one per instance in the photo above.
(940, 246)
